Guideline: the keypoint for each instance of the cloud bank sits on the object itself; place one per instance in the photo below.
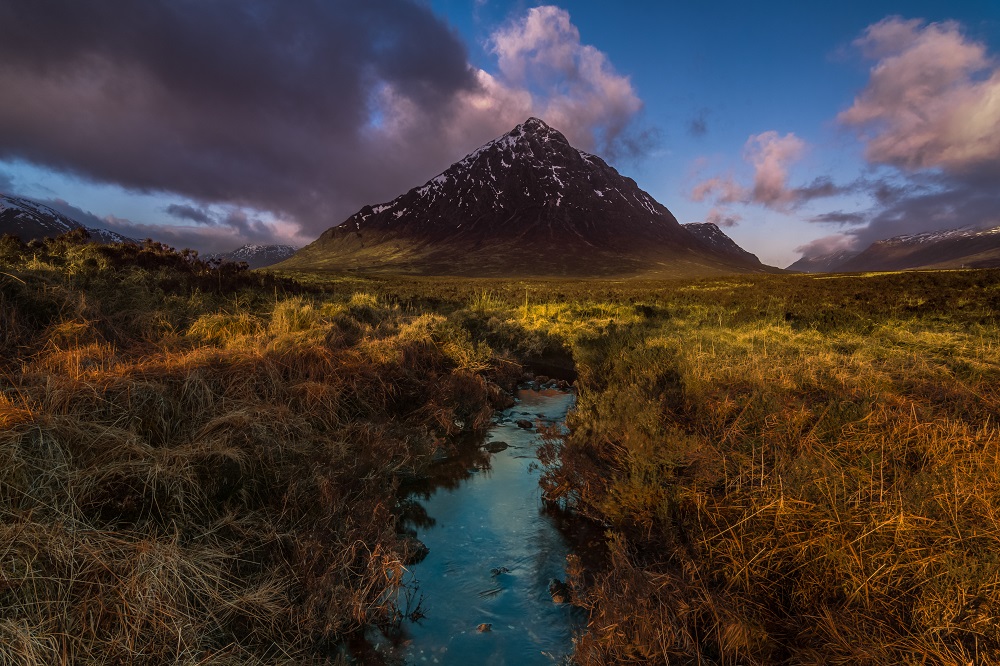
(306, 112)
(928, 120)
(770, 154)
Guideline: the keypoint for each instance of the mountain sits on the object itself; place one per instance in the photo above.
(257, 256)
(526, 203)
(822, 263)
(967, 247)
(30, 220)
(710, 234)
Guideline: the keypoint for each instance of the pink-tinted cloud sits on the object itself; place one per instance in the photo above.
(932, 99)
(573, 85)
(828, 245)
(770, 154)
(721, 217)
(722, 188)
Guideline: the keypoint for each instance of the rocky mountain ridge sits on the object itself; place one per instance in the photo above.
(526, 203)
(30, 220)
(965, 247)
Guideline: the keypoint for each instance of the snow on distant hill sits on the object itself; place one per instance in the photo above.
(258, 256)
(30, 220)
(966, 247)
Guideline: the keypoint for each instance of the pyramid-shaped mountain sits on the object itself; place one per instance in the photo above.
(527, 203)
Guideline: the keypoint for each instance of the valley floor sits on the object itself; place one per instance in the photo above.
(200, 465)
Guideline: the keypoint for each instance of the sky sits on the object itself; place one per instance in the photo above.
(799, 128)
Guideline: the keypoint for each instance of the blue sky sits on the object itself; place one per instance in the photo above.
(704, 77)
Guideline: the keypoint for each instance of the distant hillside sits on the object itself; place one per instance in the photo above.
(30, 220)
(257, 256)
(526, 203)
(823, 263)
(950, 248)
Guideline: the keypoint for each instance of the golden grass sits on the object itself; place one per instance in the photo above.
(198, 465)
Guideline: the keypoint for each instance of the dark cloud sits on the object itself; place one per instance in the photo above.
(820, 188)
(257, 103)
(698, 126)
(839, 217)
(191, 213)
(219, 234)
(305, 110)
(953, 203)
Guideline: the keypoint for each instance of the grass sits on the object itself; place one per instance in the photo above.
(199, 463)
(198, 466)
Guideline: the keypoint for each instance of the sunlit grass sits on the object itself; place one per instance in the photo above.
(199, 464)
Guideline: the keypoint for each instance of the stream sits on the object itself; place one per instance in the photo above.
(493, 552)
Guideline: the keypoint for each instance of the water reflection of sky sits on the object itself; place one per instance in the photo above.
(489, 521)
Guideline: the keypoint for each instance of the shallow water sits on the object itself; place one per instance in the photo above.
(484, 513)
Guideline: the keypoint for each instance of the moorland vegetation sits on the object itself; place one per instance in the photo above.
(200, 462)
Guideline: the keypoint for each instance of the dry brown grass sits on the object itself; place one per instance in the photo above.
(218, 489)
(787, 494)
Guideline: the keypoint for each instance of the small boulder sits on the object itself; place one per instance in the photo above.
(498, 571)
(525, 423)
(542, 379)
(484, 627)
(495, 447)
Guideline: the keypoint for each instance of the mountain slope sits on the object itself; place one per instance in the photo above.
(257, 256)
(710, 234)
(527, 203)
(952, 248)
(30, 220)
(823, 263)
(949, 248)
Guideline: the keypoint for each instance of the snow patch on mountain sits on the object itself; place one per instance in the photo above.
(30, 220)
(257, 256)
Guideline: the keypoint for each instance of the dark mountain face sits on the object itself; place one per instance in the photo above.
(710, 234)
(29, 220)
(525, 203)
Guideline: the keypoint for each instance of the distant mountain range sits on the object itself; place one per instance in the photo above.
(951, 248)
(526, 203)
(257, 256)
(30, 220)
